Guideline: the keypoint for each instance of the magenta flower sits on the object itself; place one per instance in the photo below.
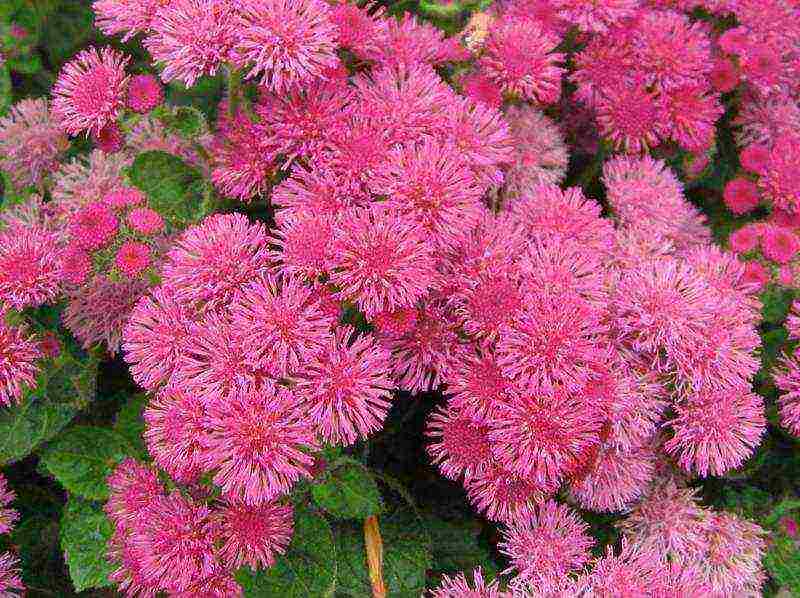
(631, 117)
(144, 93)
(692, 115)
(281, 327)
(408, 41)
(132, 487)
(76, 265)
(489, 304)
(145, 221)
(519, 57)
(253, 536)
(597, 16)
(383, 261)
(779, 244)
(459, 586)
(346, 388)
(110, 139)
(30, 142)
(215, 259)
(546, 547)
(122, 198)
(193, 38)
(10, 576)
(716, 431)
(259, 444)
(175, 434)
(546, 435)
(781, 182)
(305, 241)
(477, 384)
(125, 16)
(90, 91)
(480, 88)
(8, 517)
(30, 267)
(19, 354)
(459, 444)
(318, 191)
(431, 184)
(502, 495)
(94, 226)
(287, 44)
(132, 258)
(741, 196)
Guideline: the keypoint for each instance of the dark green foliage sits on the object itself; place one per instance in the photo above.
(85, 532)
(347, 491)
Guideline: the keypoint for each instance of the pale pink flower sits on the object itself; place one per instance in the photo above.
(459, 586)
(8, 517)
(617, 479)
(345, 390)
(253, 536)
(286, 44)
(90, 91)
(732, 565)
(282, 327)
(259, 444)
(788, 381)
(19, 356)
(715, 431)
(11, 585)
(632, 572)
(193, 38)
(459, 444)
(125, 16)
(502, 495)
(30, 267)
(519, 57)
(382, 260)
(215, 259)
(30, 142)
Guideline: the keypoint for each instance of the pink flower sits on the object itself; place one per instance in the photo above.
(480, 88)
(408, 41)
(732, 565)
(154, 337)
(8, 517)
(132, 487)
(781, 182)
(90, 91)
(93, 227)
(741, 196)
(281, 327)
(125, 16)
(489, 304)
(631, 117)
(431, 184)
(110, 139)
(19, 354)
(99, 310)
(145, 221)
(518, 57)
(356, 28)
(193, 38)
(215, 259)
(724, 75)
(477, 384)
(10, 576)
(597, 16)
(175, 434)
(287, 43)
(122, 198)
(692, 116)
(253, 536)
(787, 379)
(76, 265)
(715, 431)
(546, 435)
(755, 158)
(756, 274)
(546, 547)
(319, 191)
(617, 480)
(132, 258)
(259, 444)
(460, 444)
(502, 495)
(144, 93)
(459, 587)
(30, 142)
(779, 244)
(305, 241)
(346, 388)
(30, 267)
(630, 573)
(382, 261)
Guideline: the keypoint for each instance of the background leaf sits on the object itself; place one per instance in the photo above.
(348, 491)
(85, 532)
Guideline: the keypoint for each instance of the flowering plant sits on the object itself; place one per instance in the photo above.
(320, 298)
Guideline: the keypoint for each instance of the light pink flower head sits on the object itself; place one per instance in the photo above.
(193, 38)
(90, 91)
(175, 433)
(382, 260)
(519, 57)
(30, 142)
(259, 444)
(546, 547)
(8, 517)
(125, 16)
(10, 575)
(460, 587)
(286, 43)
(346, 388)
(19, 356)
(30, 267)
(460, 443)
(253, 536)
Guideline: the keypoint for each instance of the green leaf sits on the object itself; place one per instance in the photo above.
(348, 491)
(456, 547)
(85, 532)
(39, 551)
(406, 558)
(25, 426)
(82, 458)
(67, 30)
(5, 88)
(185, 121)
(173, 188)
(27, 64)
(307, 569)
(130, 424)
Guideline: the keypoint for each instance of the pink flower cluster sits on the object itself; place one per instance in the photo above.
(10, 581)
(787, 377)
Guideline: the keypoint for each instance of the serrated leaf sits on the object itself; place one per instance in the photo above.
(25, 426)
(83, 457)
(348, 491)
(307, 569)
(186, 121)
(173, 188)
(130, 423)
(406, 559)
(85, 532)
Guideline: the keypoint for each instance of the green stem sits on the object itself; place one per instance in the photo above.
(234, 90)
